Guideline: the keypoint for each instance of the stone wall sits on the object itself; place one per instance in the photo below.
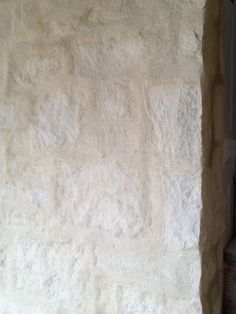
(101, 156)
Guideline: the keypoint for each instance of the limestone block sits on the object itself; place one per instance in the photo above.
(55, 271)
(186, 307)
(83, 92)
(117, 140)
(33, 65)
(31, 181)
(168, 271)
(3, 69)
(151, 19)
(151, 23)
(113, 58)
(106, 101)
(191, 15)
(199, 4)
(49, 19)
(28, 208)
(2, 160)
(4, 247)
(6, 115)
(106, 296)
(27, 198)
(10, 306)
(56, 121)
(19, 154)
(6, 18)
(107, 195)
(107, 12)
(174, 110)
(139, 28)
(182, 206)
(117, 56)
(134, 300)
(27, 168)
(189, 43)
(118, 100)
(15, 111)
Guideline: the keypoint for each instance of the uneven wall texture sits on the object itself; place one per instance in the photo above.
(101, 147)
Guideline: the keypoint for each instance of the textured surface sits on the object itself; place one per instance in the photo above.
(212, 222)
(100, 153)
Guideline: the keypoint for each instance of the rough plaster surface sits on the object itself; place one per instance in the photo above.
(101, 148)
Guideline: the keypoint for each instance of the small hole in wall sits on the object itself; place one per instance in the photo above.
(232, 1)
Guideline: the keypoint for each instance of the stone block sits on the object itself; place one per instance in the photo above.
(2, 159)
(112, 58)
(56, 123)
(106, 296)
(170, 272)
(186, 307)
(56, 271)
(36, 64)
(106, 195)
(174, 109)
(15, 111)
(135, 300)
(193, 3)
(107, 12)
(3, 69)
(118, 100)
(4, 248)
(50, 19)
(103, 139)
(28, 209)
(182, 206)
(7, 115)
(9, 305)
(189, 43)
(108, 103)
(151, 19)
(19, 154)
(6, 19)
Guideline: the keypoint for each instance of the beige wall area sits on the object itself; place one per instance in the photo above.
(110, 150)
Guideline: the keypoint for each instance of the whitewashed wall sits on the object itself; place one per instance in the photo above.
(101, 156)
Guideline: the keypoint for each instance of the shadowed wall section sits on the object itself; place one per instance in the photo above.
(213, 216)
